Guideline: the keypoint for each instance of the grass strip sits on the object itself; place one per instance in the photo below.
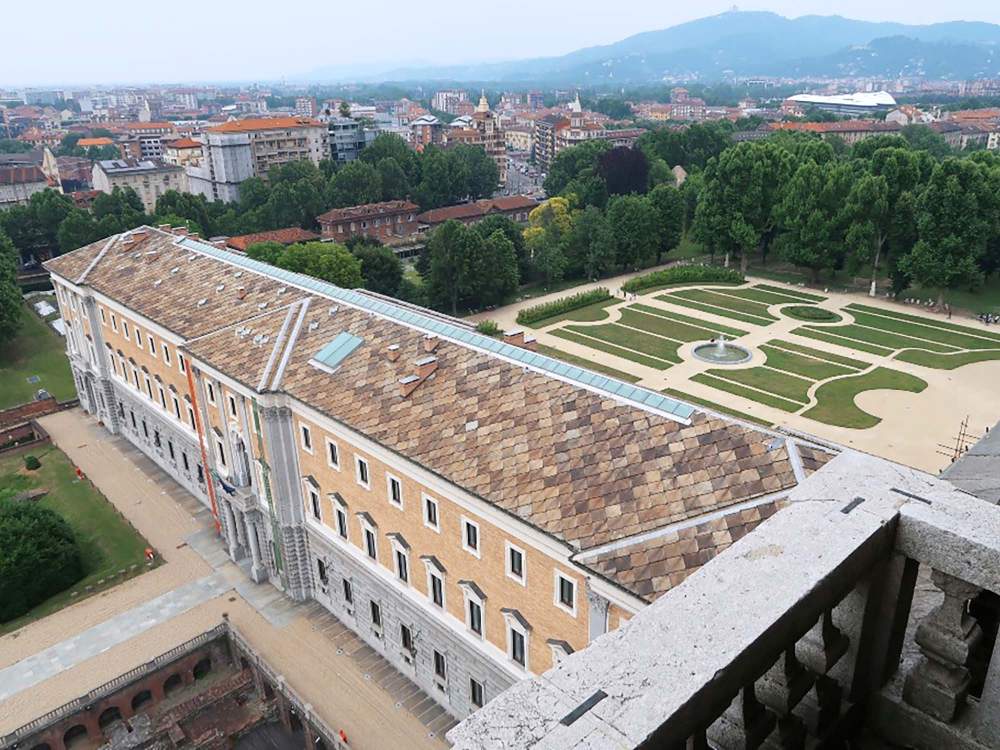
(572, 359)
(916, 330)
(715, 328)
(835, 400)
(790, 387)
(790, 292)
(747, 393)
(637, 341)
(603, 346)
(764, 296)
(587, 314)
(830, 338)
(811, 314)
(885, 339)
(681, 395)
(943, 324)
(35, 350)
(719, 298)
(672, 329)
(947, 361)
(854, 364)
(803, 366)
(721, 312)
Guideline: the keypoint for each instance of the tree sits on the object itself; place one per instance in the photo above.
(448, 264)
(624, 170)
(591, 250)
(496, 276)
(391, 146)
(668, 204)
(660, 174)
(395, 183)
(188, 206)
(634, 223)
(479, 172)
(443, 179)
(323, 260)
(512, 232)
(11, 146)
(742, 188)
(268, 252)
(812, 216)
(356, 183)
(868, 211)
(923, 138)
(953, 223)
(10, 292)
(39, 557)
(344, 109)
(576, 169)
(381, 269)
(545, 237)
(76, 230)
(866, 148)
(691, 147)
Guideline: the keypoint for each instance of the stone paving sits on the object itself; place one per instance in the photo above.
(56, 659)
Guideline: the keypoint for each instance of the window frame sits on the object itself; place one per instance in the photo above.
(514, 628)
(557, 577)
(358, 463)
(390, 480)
(333, 464)
(472, 600)
(508, 549)
(305, 438)
(479, 701)
(442, 674)
(210, 392)
(166, 352)
(401, 562)
(476, 551)
(315, 502)
(427, 502)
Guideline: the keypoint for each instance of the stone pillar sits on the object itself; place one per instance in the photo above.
(308, 735)
(284, 713)
(597, 614)
(231, 539)
(939, 684)
(257, 571)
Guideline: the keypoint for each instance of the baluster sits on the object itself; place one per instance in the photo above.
(744, 725)
(822, 646)
(939, 684)
(780, 689)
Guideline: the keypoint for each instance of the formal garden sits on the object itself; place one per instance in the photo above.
(60, 539)
(807, 354)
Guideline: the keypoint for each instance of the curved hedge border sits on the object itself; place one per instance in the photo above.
(683, 275)
(530, 315)
(811, 314)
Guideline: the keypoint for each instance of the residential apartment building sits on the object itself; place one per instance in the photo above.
(426, 130)
(347, 137)
(474, 510)
(184, 152)
(450, 101)
(482, 129)
(240, 149)
(149, 178)
(385, 222)
(544, 140)
(144, 140)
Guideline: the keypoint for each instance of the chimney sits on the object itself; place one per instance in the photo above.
(531, 343)
(194, 236)
(181, 231)
(514, 338)
(426, 366)
(165, 227)
(408, 384)
(139, 233)
(392, 352)
(430, 342)
(241, 292)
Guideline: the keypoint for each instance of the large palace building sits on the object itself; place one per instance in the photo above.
(473, 509)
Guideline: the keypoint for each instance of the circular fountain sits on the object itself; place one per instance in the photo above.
(721, 352)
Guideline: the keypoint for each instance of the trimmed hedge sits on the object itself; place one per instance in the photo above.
(530, 315)
(39, 557)
(488, 328)
(683, 275)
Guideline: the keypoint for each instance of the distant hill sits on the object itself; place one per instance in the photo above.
(745, 43)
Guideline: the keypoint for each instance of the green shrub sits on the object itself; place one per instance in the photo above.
(810, 313)
(683, 275)
(39, 557)
(488, 328)
(530, 315)
(31, 463)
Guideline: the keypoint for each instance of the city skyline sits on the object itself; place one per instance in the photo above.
(424, 39)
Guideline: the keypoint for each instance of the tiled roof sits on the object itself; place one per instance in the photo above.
(478, 208)
(265, 123)
(285, 236)
(88, 142)
(651, 568)
(183, 143)
(580, 464)
(366, 210)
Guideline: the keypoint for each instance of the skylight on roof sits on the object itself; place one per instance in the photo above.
(330, 356)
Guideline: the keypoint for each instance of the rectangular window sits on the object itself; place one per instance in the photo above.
(321, 570)
(306, 437)
(437, 590)
(177, 407)
(232, 406)
(395, 492)
(475, 617)
(361, 467)
(476, 693)
(210, 392)
(194, 424)
(431, 513)
(163, 398)
(342, 523)
(332, 454)
(517, 646)
(314, 504)
(184, 461)
(166, 353)
(515, 563)
(104, 320)
(376, 614)
(565, 593)
(138, 337)
(406, 637)
(348, 592)
(220, 451)
(152, 345)
(370, 544)
(440, 666)
(170, 450)
(149, 388)
(114, 323)
(470, 536)
(402, 567)
(181, 364)
(125, 329)
(135, 425)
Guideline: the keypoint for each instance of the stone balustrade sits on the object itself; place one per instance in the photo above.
(868, 606)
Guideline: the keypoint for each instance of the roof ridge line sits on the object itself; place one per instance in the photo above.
(107, 246)
(279, 339)
(290, 344)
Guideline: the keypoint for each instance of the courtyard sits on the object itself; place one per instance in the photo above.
(870, 373)
(35, 359)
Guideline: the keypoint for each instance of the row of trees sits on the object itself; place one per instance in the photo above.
(889, 202)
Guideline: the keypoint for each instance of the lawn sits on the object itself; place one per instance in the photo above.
(722, 298)
(587, 314)
(835, 400)
(681, 395)
(947, 325)
(108, 543)
(706, 326)
(608, 348)
(803, 365)
(637, 341)
(811, 314)
(747, 393)
(926, 331)
(884, 339)
(853, 364)
(947, 361)
(783, 385)
(794, 293)
(668, 327)
(572, 359)
(37, 350)
(830, 338)
(675, 298)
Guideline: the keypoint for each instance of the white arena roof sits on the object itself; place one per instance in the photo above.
(859, 99)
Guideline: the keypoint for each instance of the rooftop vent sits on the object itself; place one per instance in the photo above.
(333, 309)
(392, 352)
(425, 368)
(430, 342)
(157, 282)
(220, 287)
(241, 292)
(202, 301)
(262, 305)
(313, 325)
(408, 385)
(238, 274)
(281, 290)
(175, 269)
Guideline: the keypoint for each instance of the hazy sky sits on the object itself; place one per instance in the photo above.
(212, 40)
